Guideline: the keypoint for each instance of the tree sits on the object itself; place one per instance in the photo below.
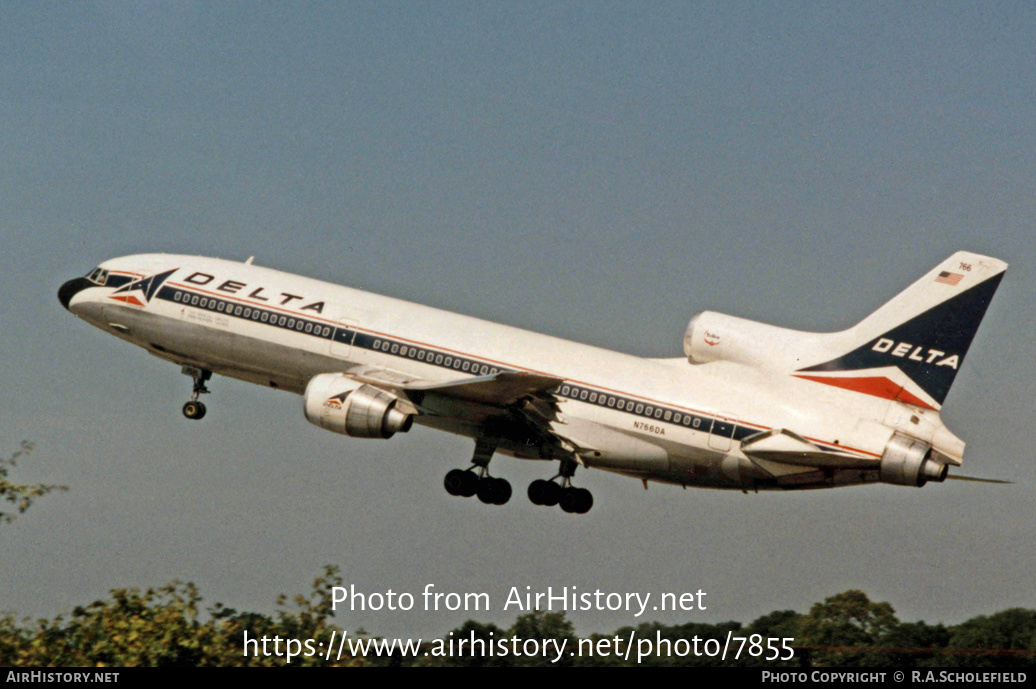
(773, 628)
(847, 619)
(542, 625)
(164, 627)
(485, 653)
(1005, 635)
(21, 496)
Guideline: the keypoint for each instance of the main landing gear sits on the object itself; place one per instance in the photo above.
(497, 491)
(195, 409)
(549, 493)
(476, 479)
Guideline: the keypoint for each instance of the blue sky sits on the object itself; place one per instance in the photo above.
(597, 171)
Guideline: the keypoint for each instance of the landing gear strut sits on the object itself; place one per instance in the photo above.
(476, 479)
(195, 409)
(550, 493)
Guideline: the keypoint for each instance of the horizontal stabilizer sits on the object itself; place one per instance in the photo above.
(978, 480)
(786, 447)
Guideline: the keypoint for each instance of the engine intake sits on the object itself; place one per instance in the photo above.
(712, 336)
(342, 405)
(907, 462)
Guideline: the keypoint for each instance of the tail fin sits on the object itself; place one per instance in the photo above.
(912, 347)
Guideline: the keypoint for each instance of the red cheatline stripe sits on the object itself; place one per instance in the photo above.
(878, 386)
(128, 300)
(439, 348)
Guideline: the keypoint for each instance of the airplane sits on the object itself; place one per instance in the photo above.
(749, 406)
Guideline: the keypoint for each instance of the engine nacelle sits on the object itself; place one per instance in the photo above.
(712, 336)
(907, 462)
(342, 405)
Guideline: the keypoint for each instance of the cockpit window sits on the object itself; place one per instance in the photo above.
(98, 276)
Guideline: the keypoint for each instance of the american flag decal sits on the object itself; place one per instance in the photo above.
(948, 278)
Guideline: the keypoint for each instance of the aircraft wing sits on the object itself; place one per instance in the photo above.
(509, 404)
(496, 389)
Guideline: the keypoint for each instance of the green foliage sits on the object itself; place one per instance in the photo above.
(1008, 633)
(162, 628)
(542, 625)
(844, 623)
(168, 627)
(21, 496)
(487, 634)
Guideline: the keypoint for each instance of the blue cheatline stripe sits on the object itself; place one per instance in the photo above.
(448, 360)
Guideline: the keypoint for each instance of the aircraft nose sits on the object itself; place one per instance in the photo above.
(71, 289)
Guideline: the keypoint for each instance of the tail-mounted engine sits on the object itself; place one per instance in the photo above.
(712, 336)
(342, 405)
(907, 462)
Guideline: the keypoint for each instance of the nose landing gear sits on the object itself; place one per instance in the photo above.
(195, 409)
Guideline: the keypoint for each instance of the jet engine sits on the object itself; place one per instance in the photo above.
(712, 336)
(342, 405)
(907, 462)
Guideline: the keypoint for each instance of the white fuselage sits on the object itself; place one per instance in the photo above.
(281, 330)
